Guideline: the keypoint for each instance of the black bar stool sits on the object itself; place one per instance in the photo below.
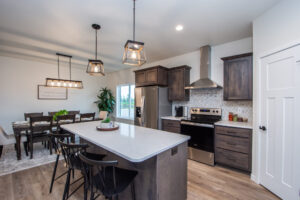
(55, 138)
(71, 152)
(106, 178)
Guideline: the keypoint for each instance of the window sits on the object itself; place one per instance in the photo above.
(125, 101)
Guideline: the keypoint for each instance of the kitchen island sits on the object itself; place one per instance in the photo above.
(160, 157)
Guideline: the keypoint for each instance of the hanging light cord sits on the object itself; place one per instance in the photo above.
(133, 20)
(96, 44)
(70, 67)
(58, 66)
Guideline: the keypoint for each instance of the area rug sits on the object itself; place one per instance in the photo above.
(10, 164)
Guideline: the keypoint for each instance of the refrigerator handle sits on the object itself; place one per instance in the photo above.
(142, 110)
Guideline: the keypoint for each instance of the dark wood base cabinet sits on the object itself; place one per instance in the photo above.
(171, 125)
(233, 147)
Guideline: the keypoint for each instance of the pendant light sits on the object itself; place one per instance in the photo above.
(95, 67)
(64, 83)
(134, 53)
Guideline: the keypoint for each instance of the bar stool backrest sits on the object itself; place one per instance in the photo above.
(95, 170)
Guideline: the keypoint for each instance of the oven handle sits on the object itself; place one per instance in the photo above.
(197, 124)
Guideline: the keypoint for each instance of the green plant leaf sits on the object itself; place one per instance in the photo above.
(106, 100)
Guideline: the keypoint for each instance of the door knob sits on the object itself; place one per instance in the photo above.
(262, 128)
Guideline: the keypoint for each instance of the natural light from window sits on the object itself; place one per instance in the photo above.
(125, 101)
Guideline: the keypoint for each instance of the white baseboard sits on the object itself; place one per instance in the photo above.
(254, 178)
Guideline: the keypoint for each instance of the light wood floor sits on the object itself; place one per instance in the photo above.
(204, 183)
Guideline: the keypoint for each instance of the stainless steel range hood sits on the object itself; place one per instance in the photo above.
(205, 81)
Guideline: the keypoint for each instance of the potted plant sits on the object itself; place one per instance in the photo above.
(106, 101)
(59, 113)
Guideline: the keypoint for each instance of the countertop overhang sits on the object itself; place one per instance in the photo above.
(133, 143)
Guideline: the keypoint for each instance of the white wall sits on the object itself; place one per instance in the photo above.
(273, 30)
(18, 89)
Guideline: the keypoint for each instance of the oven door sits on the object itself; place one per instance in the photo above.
(202, 135)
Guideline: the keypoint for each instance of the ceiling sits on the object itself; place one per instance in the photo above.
(37, 29)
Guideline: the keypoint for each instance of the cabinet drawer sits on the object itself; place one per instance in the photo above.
(237, 144)
(238, 132)
(232, 159)
(171, 123)
(172, 129)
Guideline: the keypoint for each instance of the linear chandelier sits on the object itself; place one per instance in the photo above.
(63, 83)
(134, 53)
(95, 67)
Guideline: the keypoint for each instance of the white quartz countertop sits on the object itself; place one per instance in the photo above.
(133, 143)
(173, 118)
(246, 125)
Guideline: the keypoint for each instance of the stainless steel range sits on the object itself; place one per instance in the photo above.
(201, 129)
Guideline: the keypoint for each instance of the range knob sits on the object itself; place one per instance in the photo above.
(217, 111)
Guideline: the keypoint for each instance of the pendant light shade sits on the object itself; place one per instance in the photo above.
(63, 83)
(95, 67)
(134, 52)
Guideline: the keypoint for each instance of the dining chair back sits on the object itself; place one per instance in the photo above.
(28, 115)
(87, 117)
(73, 112)
(52, 113)
(106, 178)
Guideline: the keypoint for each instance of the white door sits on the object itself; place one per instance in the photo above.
(280, 117)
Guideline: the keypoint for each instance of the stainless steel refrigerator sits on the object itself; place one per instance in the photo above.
(151, 103)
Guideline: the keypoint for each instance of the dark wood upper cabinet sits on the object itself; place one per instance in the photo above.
(179, 77)
(157, 75)
(238, 77)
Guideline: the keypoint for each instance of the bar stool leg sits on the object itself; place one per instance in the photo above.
(133, 190)
(54, 173)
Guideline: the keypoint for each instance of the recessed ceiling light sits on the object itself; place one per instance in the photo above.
(179, 27)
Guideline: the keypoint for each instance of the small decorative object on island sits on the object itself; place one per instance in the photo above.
(106, 100)
(107, 125)
(134, 53)
(63, 83)
(95, 67)
(59, 113)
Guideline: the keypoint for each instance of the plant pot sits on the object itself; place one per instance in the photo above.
(105, 125)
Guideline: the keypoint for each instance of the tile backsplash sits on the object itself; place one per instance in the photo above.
(213, 98)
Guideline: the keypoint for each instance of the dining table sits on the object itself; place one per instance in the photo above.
(22, 128)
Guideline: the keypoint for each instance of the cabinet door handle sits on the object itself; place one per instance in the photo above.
(231, 143)
(232, 159)
(230, 132)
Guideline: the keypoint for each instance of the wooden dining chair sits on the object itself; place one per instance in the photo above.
(87, 117)
(27, 118)
(40, 128)
(105, 178)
